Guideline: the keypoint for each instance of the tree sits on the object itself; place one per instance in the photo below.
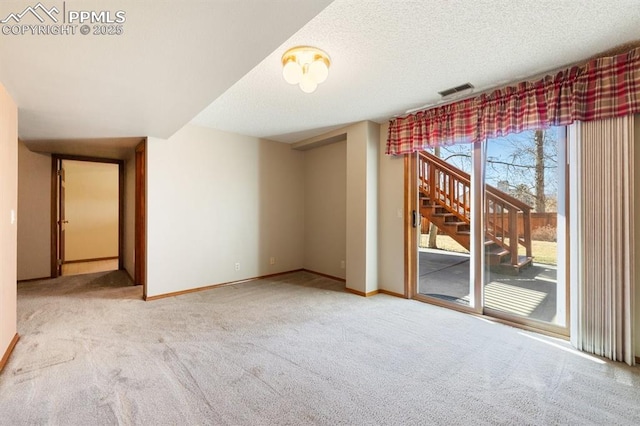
(522, 193)
(540, 196)
(528, 163)
(524, 165)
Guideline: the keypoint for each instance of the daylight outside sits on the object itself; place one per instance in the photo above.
(522, 187)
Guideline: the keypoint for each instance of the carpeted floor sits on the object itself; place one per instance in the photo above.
(295, 350)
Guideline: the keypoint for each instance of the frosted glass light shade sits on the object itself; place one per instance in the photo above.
(306, 66)
(292, 72)
(319, 71)
(307, 85)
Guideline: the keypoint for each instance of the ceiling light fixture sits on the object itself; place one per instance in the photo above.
(305, 65)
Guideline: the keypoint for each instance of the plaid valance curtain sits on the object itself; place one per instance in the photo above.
(601, 88)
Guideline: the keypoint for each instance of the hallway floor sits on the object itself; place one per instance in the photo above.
(80, 268)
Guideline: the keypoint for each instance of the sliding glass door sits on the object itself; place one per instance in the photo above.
(445, 229)
(492, 232)
(524, 218)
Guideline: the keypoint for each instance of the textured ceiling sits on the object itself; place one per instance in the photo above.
(390, 56)
(174, 58)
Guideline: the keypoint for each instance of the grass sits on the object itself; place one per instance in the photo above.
(543, 251)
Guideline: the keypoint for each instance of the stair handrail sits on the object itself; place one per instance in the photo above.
(505, 201)
(509, 199)
(434, 192)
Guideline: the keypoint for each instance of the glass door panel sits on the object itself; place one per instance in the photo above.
(444, 193)
(523, 231)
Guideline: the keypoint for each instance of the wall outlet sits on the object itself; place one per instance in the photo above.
(237, 266)
(343, 264)
(272, 260)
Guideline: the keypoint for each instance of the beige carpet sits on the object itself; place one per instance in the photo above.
(291, 350)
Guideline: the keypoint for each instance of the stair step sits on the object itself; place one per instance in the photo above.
(507, 268)
(524, 261)
(497, 258)
(497, 253)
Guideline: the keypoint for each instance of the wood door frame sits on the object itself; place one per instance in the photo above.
(411, 275)
(140, 227)
(54, 205)
(54, 216)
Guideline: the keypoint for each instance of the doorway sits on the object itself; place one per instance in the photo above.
(490, 229)
(87, 213)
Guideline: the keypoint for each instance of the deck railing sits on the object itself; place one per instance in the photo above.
(450, 188)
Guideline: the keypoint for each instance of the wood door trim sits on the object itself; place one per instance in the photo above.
(410, 205)
(54, 204)
(54, 216)
(121, 217)
(97, 259)
(140, 213)
(87, 158)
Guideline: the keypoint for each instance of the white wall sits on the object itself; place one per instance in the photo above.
(34, 204)
(92, 209)
(325, 209)
(390, 219)
(372, 245)
(362, 201)
(8, 210)
(129, 214)
(215, 199)
(362, 205)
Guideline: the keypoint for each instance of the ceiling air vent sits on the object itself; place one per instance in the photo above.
(463, 89)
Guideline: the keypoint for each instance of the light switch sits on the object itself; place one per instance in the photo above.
(13, 217)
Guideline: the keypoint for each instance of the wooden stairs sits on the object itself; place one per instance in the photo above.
(445, 201)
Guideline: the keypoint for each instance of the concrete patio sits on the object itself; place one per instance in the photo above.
(531, 294)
